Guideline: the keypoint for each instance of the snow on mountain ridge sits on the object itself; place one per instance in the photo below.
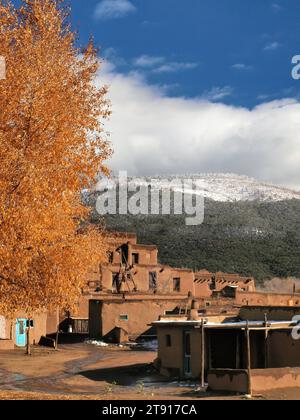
(221, 187)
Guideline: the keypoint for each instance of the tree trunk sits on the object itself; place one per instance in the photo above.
(57, 331)
(28, 347)
(56, 338)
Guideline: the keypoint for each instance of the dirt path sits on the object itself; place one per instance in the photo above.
(87, 372)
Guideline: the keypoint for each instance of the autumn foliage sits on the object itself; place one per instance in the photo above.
(52, 146)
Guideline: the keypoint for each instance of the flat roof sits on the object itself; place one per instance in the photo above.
(254, 325)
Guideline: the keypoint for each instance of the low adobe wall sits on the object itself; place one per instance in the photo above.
(263, 380)
(270, 379)
(228, 380)
(6, 345)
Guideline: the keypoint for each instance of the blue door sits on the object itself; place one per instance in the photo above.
(21, 332)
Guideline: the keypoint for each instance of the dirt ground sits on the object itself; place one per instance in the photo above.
(85, 371)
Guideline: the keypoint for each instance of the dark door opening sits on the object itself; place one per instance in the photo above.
(95, 319)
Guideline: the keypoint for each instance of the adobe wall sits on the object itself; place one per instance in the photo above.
(39, 330)
(165, 276)
(202, 289)
(171, 359)
(271, 379)
(206, 283)
(266, 299)
(276, 313)
(227, 380)
(196, 353)
(283, 350)
(147, 254)
(262, 380)
(141, 313)
(52, 322)
(6, 345)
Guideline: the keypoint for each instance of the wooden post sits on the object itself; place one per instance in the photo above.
(249, 360)
(202, 354)
(28, 347)
(266, 342)
(57, 331)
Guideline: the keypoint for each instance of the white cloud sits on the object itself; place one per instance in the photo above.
(241, 66)
(113, 9)
(217, 93)
(153, 133)
(175, 67)
(272, 46)
(158, 64)
(112, 56)
(148, 61)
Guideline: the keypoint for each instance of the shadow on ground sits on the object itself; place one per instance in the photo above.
(125, 375)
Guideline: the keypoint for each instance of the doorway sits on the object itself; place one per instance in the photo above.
(95, 319)
(187, 354)
(21, 339)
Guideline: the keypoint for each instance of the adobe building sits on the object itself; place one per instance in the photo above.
(249, 353)
(133, 289)
(13, 333)
(123, 297)
(214, 284)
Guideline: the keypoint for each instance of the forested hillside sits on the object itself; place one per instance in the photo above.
(251, 238)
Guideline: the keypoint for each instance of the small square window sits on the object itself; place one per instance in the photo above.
(135, 259)
(29, 323)
(124, 318)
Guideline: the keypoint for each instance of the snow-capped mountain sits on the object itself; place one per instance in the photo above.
(217, 187)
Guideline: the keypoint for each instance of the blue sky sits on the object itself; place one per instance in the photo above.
(199, 86)
(236, 51)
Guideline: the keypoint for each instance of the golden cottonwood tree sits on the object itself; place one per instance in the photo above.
(51, 146)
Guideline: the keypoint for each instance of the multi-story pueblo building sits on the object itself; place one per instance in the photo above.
(123, 298)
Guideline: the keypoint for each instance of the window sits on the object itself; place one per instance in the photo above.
(168, 340)
(29, 323)
(135, 259)
(169, 313)
(153, 280)
(115, 282)
(176, 284)
(124, 318)
(21, 328)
